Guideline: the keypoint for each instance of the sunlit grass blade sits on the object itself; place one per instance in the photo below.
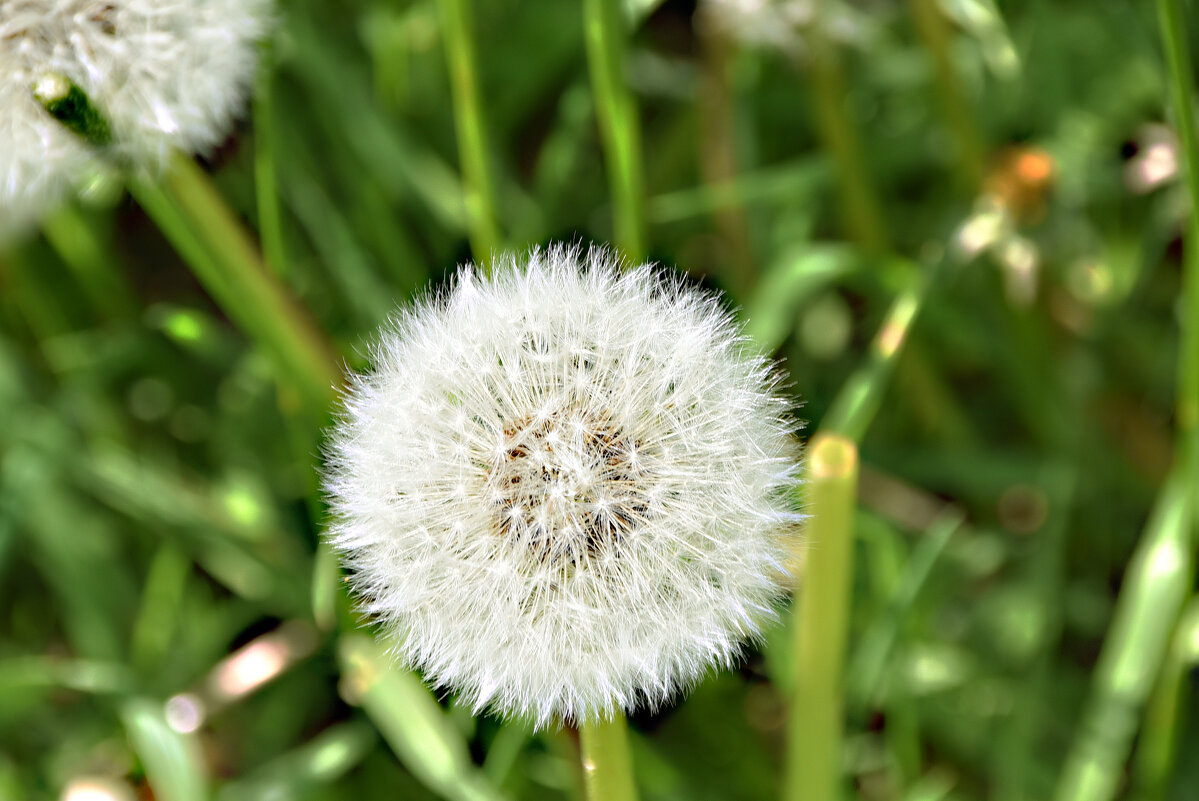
(21, 674)
(865, 670)
(1153, 590)
(219, 250)
(606, 32)
(412, 722)
(172, 760)
(794, 277)
(323, 759)
(1165, 721)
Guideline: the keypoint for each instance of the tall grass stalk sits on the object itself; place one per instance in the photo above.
(219, 250)
(815, 723)
(412, 722)
(718, 156)
(859, 200)
(1182, 90)
(1158, 747)
(458, 32)
(607, 765)
(1155, 585)
(933, 31)
(266, 173)
(606, 32)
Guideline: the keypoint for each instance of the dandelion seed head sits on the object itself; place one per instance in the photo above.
(783, 25)
(165, 74)
(565, 489)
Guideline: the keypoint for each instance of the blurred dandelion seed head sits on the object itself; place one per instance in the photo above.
(784, 24)
(565, 489)
(164, 73)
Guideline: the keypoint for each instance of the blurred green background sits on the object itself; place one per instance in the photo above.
(168, 626)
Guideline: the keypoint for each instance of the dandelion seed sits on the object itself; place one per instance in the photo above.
(164, 74)
(565, 490)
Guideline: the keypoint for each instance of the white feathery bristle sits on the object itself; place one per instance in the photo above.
(565, 489)
(165, 74)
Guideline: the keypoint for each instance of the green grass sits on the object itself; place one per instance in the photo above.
(1005, 597)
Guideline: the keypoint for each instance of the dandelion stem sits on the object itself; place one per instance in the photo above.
(859, 202)
(607, 765)
(815, 725)
(605, 31)
(220, 252)
(458, 32)
(932, 30)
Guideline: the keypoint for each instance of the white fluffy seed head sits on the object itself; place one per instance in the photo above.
(784, 24)
(165, 73)
(565, 489)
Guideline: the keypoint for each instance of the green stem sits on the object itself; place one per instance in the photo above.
(192, 214)
(859, 202)
(607, 765)
(815, 725)
(933, 31)
(605, 32)
(859, 400)
(411, 721)
(718, 158)
(266, 183)
(1182, 89)
(1155, 585)
(472, 132)
(1158, 747)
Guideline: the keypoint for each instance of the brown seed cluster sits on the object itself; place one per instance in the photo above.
(571, 487)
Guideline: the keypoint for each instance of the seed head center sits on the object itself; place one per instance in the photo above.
(569, 486)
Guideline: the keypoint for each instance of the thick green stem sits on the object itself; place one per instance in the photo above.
(607, 765)
(606, 32)
(815, 726)
(458, 32)
(219, 251)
